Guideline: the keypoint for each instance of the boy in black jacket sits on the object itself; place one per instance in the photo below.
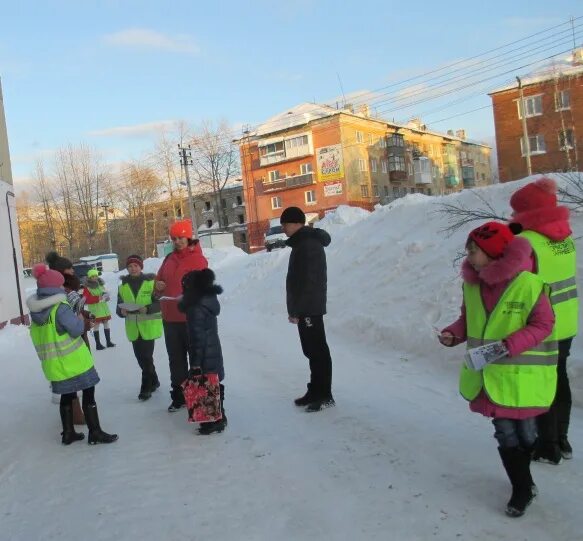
(306, 285)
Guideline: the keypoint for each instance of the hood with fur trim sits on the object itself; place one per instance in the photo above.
(515, 259)
(40, 305)
(199, 287)
(552, 222)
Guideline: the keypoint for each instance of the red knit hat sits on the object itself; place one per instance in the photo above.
(538, 194)
(46, 277)
(135, 259)
(492, 238)
(182, 228)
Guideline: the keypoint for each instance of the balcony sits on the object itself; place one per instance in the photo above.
(398, 176)
(468, 177)
(289, 182)
(422, 170)
(451, 180)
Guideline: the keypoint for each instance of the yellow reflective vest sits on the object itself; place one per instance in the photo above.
(146, 326)
(556, 263)
(62, 356)
(527, 380)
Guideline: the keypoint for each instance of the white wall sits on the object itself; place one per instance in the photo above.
(9, 307)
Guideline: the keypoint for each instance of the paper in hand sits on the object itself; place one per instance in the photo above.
(477, 358)
(165, 298)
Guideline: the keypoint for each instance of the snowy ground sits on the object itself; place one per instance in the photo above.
(400, 457)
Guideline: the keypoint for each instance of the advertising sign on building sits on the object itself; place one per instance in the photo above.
(334, 188)
(330, 163)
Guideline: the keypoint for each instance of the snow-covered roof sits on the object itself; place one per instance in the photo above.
(567, 66)
(296, 116)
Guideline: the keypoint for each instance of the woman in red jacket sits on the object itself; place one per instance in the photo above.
(187, 256)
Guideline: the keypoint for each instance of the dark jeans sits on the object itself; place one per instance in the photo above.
(555, 423)
(176, 336)
(315, 348)
(144, 352)
(515, 432)
(88, 398)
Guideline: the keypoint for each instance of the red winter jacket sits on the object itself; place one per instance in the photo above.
(173, 269)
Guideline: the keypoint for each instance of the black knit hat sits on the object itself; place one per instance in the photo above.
(293, 215)
(58, 263)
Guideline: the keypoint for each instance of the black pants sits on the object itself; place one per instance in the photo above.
(88, 398)
(555, 423)
(176, 336)
(315, 348)
(144, 352)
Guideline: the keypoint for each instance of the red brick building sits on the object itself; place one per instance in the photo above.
(317, 158)
(553, 104)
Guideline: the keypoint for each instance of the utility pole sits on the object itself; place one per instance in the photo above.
(526, 144)
(105, 207)
(186, 160)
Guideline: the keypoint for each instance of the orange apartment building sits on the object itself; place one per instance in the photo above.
(317, 158)
(553, 102)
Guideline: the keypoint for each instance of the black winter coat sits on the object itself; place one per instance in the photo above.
(203, 333)
(306, 282)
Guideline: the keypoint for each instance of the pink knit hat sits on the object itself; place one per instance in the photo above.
(541, 193)
(46, 277)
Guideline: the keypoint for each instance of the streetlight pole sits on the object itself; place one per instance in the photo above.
(185, 161)
(105, 207)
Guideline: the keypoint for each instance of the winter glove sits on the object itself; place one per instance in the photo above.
(105, 297)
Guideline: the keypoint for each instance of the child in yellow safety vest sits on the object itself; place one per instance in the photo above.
(66, 361)
(138, 304)
(96, 299)
(507, 307)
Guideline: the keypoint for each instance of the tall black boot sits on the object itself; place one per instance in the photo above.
(108, 341)
(68, 434)
(563, 418)
(96, 435)
(547, 445)
(155, 382)
(516, 462)
(146, 388)
(215, 426)
(98, 345)
(177, 400)
(308, 398)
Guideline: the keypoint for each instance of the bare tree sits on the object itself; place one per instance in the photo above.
(44, 193)
(572, 192)
(215, 161)
(459, 215)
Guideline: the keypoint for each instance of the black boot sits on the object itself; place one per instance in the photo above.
(215, 426)
(98, 345)
(516, 462)
(547, 445)
(320, 404)
(68, 434)
(307, 398)
(177, 400)
(146, 388)
(155, 382)
(96, 435)
(563, 418)
(108, 341)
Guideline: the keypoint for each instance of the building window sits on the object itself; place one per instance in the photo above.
(295, 142)
(273, 149)
(397, 163)
(382, 142)
(396, 140)
(375, 190)
(399, 192)
(274, 176)
(243, 238)
(483, 176)
(364, 190)
(536, 145)
(361, 164)
(276, 202)
(532, 105)
(410, 169)
(373, 165)
(305, 168)
(566, 141)
(224, 203)
(386, 191)
(562, 100)
(241, 218)
(207, 205)
(239, 200)
(385, 166)
(310, 197)
(359, 137)
(209, 223)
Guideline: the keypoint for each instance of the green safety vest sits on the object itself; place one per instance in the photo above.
(147, 326)
(62, 356)
(99, 309)
(525, 381)
(557, 265)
